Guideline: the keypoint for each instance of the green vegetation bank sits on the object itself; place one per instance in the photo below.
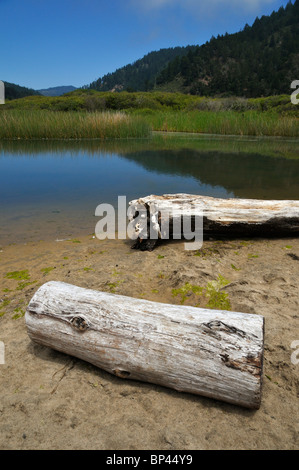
(89, 114)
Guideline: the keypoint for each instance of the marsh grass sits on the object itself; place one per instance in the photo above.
(252, 123)
(88, 114)
(42, 124)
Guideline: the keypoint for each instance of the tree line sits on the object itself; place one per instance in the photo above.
(260, 60)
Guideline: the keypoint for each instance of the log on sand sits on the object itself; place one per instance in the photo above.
(214, 353)
(220, 217)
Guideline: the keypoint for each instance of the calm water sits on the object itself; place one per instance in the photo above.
(50, 190)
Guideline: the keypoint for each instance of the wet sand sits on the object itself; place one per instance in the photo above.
(53, 401)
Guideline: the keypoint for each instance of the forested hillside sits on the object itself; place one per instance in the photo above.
(260, 60)
(13, 91)
(141, 75)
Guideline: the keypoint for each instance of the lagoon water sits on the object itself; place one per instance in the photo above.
(50, 190)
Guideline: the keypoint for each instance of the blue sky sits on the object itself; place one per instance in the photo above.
(73, 42)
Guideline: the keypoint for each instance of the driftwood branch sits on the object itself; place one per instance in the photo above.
(213, 353)
(220, 217)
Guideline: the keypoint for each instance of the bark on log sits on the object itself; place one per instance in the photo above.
(223, 217)
(218, 354)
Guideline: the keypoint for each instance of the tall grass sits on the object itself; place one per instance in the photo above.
(41, 124)
(230, 117)
(224, 122)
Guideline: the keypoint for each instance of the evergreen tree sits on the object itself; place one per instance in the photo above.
(262, 59)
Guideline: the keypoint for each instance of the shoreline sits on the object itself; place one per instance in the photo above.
(42, 389)
(157, 133)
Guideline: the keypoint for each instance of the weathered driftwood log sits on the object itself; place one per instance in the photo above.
(217, 354)
(223, 217)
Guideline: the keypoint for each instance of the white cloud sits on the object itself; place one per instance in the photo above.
(194, 21)
(202, 5)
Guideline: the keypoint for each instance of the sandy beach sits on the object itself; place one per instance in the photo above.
(53, 401)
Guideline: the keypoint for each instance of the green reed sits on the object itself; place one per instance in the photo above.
(253, 123)
(42, 124)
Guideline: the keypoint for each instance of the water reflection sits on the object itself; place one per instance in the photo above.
(242, 175)
(51, 189)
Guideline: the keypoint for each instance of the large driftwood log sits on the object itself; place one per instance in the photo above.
(223, 217)
(217, 354)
